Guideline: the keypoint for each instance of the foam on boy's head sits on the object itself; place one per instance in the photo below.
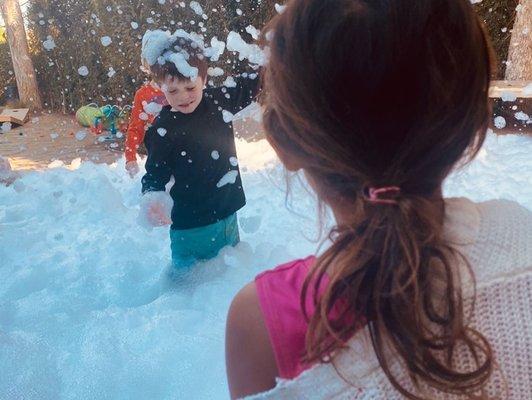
(183, 62)
(180, 55)
(154, 44)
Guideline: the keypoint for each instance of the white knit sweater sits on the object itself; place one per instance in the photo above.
(496, 238)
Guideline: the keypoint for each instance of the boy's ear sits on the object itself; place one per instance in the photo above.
(289, 162)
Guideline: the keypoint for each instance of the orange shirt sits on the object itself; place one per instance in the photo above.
(142, 114)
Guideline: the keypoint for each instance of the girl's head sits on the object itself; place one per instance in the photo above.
(365, 94)
(378, 92)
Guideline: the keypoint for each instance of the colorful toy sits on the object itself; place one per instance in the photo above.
(109, 118)
(88, 115)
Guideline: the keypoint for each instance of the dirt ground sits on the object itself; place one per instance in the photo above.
(48, 137)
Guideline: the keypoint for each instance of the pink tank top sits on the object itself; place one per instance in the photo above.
(279, 292)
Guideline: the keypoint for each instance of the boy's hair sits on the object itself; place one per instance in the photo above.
(194, 56)
(366, 94)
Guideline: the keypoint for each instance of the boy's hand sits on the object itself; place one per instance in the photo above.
(155, 209)
(132, 168)
(157, 215)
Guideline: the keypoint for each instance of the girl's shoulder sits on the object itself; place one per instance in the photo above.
(503, 209)
(291, 272)
(281, 287)
(279, 293)
(486, 220)
(494, 235)
(505, 237)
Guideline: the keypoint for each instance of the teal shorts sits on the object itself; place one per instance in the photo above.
(203, 243)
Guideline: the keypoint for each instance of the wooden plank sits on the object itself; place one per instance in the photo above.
(519, 89)
(17, 116)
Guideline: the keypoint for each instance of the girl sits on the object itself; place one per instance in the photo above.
(377, 101)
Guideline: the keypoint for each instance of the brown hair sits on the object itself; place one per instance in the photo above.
(363, 94)
(196, 58)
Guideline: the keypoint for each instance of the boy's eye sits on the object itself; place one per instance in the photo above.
(172, 91)
(190, 89)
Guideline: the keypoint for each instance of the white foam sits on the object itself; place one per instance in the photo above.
(81, 135)
(152, 107)
(499, 122)
(106, 41)
(254, 32)
(49, 43)
(227, 116)
(215, 71)
(280, 8)
(251, 52)
(87, 309)
(216, 50)
(182, 65)
(5, 127)
(521, 116)
(230, 82)
(228, 179)
(154, 43)
(196, 7)
(83, 70)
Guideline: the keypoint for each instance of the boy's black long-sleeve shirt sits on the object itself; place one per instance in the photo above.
(198, 149)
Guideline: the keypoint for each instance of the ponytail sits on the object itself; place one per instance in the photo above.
(393, 270)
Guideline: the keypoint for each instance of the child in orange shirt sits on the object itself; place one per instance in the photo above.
(148, 102)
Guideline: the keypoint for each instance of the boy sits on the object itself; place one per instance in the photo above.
(191, 141)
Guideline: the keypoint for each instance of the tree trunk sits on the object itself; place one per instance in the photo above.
(20, 55)
(519, 66)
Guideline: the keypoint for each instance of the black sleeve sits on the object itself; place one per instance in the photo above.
(243, 94)
(159, 165)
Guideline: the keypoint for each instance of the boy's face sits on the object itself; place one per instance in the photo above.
(183, 96)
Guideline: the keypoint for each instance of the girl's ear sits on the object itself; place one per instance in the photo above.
(289, 162)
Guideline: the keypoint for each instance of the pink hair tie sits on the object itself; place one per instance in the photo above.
(372, 194)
